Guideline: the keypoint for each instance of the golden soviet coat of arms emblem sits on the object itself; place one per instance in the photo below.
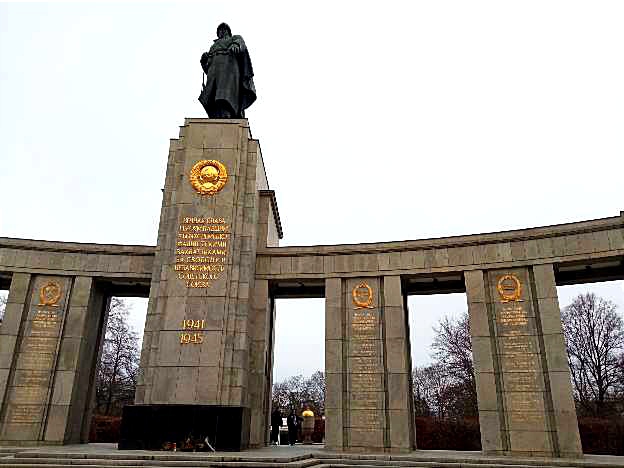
(49, 294)
(362, 296)
(509, 288)
(208, 176)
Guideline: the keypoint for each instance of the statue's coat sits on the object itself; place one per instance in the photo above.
(229, 76)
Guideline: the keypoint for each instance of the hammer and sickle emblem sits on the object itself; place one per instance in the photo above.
(362, 296)
(49, 294)
(208, 176)
(509, 288)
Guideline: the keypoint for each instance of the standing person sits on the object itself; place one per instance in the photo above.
(293, 426)
(276, 422)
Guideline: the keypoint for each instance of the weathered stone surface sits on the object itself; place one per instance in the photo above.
(479, 319)
(475, 286)
(486, 391)
(491, 433)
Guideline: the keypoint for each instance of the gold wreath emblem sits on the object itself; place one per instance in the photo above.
(509, 288)
(208, 176)
(362, 296)
(49, 294)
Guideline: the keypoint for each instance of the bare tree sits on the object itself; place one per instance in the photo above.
(117, 373)
(297, 391)
(452, 351)
(594, 335)
(446, 388)
(3, 302)
(316, 389)
(430, 387)
(289, 393)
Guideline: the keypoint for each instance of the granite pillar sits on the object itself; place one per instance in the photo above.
(521, 370)
(10, 330)
(200, 347)
(55, 321)
(367, 406)
(261, 329)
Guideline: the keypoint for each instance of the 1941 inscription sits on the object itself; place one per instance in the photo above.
(192, 336)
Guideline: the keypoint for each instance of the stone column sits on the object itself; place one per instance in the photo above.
(367, 405)
(400, 416)
(335, 377)
(27, 403)
(555, 360)
(491, 418)
(523, 380)
(10, 329)
(261, 321)
(74, 380)
(198, 344)
(262, 328)
(52, 371)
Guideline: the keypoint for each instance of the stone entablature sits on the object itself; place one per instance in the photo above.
(73, 258)
(586, 241)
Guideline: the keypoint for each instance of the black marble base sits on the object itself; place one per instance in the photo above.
(149, 427)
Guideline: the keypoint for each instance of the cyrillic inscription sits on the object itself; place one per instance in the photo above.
(201, 250)
(366, 397)
(31, 385)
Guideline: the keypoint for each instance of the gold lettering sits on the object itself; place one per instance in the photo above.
(191, 338)
(201, 250)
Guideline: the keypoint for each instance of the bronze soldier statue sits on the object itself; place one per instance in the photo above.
(229, 88)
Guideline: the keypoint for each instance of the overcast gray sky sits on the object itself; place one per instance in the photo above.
(378, 121)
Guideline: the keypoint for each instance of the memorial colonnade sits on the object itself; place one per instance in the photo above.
(523, 382)
(50, 337)
(212, 280)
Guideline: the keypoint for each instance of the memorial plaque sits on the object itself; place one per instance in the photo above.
(29, 392)
(520, 362)
(201, 250)
(514, 344)
(372, 419)
(25, 414)
(362, 399)
(28, 395)
(529, 381)
(518, 352)
(29, 378)
(365, 385)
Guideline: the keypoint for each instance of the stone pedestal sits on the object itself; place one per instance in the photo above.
(367, 404)
(198, 345)
(521, 369)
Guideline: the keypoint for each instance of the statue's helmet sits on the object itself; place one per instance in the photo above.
(225, 28)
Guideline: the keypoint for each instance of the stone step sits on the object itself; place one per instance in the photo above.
(48, 462)
(168, 456)
(116, 459)
(476, 461)
(146, 464)
(131, 465)
(424, 464)
(123, 463)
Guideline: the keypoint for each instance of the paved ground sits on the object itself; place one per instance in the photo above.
(298, 455)
(279, 451)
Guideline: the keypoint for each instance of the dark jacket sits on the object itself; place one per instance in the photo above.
(276, 418)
